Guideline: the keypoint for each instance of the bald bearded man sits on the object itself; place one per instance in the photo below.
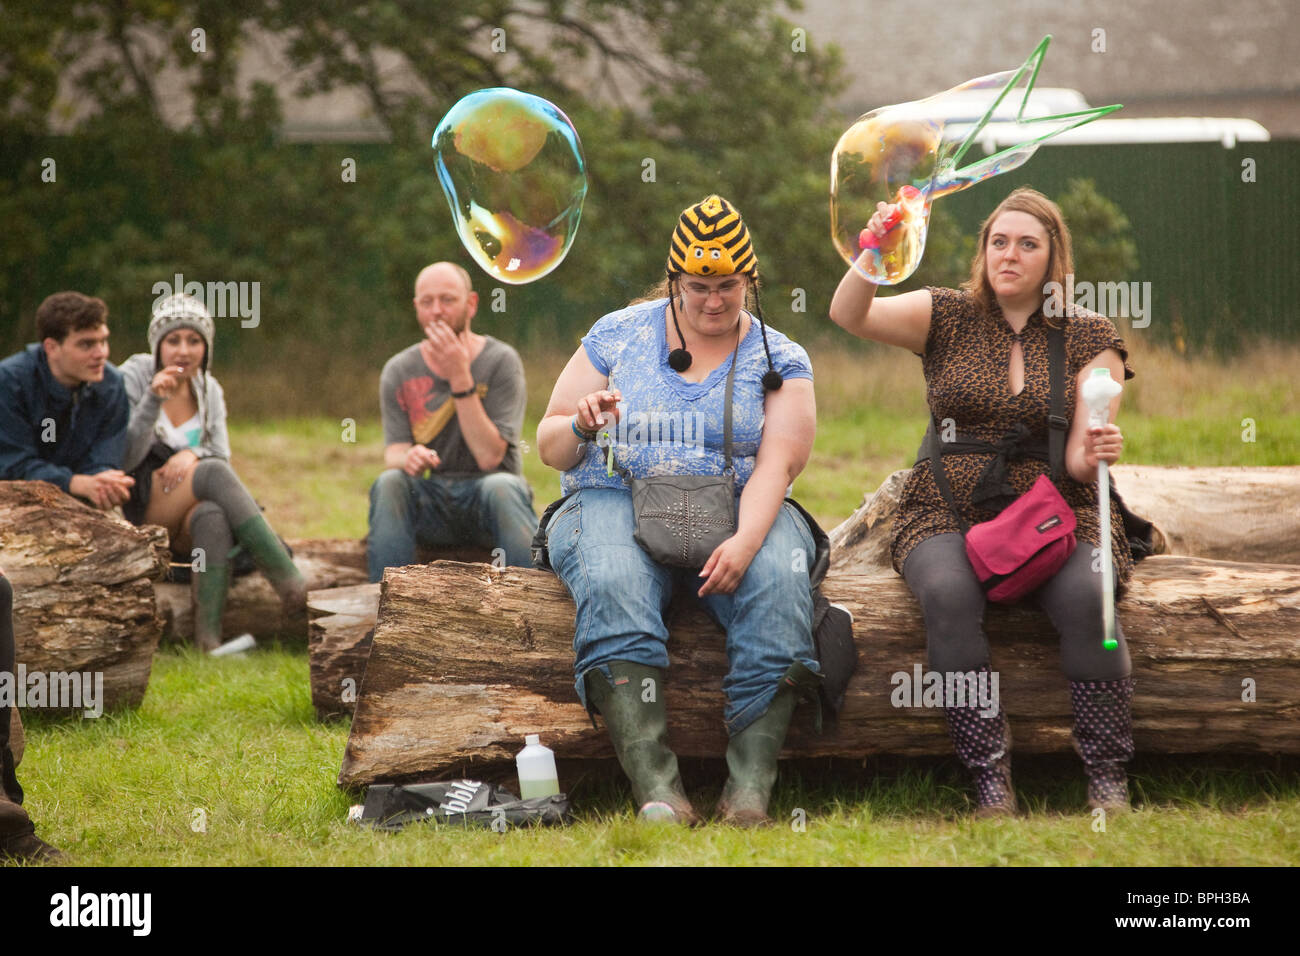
(453, 409)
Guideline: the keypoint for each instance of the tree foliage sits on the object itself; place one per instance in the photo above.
(167, 164)
(1104, 250)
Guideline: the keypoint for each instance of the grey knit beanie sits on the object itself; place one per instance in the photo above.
(181, 311)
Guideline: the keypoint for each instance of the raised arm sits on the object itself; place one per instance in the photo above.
(902, 320)
(477, 429)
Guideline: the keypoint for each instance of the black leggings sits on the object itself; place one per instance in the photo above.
(952, 602)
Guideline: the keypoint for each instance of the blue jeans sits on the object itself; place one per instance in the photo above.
(621, 596)
(492, 511)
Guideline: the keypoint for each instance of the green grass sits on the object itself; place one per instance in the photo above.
(238, 740)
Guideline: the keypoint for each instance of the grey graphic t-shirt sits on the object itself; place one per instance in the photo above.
(417, 405)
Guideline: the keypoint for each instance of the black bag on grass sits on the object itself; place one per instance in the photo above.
(465, 802)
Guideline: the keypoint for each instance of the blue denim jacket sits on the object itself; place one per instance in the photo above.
(49, 432)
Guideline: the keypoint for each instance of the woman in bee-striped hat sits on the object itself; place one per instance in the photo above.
(653, 377)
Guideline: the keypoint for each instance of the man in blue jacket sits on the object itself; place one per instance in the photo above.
(63, 408)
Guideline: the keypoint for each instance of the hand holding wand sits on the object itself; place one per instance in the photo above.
(1097, 392)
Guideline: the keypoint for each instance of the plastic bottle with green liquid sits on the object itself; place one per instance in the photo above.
(537, 774)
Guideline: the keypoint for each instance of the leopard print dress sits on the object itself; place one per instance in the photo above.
(966, 357)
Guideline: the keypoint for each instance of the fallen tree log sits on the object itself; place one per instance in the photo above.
(342, 625)
(454, 684)
(83, 597)
(1228, 514)
(252, 606)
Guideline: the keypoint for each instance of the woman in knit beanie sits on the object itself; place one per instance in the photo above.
(179, 452)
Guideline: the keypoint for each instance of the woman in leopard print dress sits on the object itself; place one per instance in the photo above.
(984, 353)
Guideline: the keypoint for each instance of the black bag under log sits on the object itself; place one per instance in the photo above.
(465, 802)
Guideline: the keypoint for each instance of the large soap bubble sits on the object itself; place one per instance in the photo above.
(512, 168)
(907, 154)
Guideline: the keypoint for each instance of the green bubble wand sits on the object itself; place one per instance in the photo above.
(919, 125)
(1097, 392)
(603, 439)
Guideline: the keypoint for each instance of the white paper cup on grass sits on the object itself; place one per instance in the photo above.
(235, 646)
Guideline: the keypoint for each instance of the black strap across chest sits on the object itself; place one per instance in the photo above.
(992, 486)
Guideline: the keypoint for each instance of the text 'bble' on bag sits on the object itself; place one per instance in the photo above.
(460, 802)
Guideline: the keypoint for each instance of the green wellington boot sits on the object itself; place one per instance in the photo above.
(270, 556)
(752, 753)
(633, 708)
(208, 591)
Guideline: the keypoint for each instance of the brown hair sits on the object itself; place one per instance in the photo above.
(65, 312)
(1060, 260)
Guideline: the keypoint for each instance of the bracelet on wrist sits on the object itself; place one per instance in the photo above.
(465, 394)
(583, 436)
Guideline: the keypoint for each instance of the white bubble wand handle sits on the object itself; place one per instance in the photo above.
(1097, 392)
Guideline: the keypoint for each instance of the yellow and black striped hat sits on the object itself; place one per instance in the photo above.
(711, 240)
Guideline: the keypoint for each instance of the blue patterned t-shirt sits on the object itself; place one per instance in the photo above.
(669, 426)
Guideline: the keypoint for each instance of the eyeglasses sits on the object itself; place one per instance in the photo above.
(725, 288)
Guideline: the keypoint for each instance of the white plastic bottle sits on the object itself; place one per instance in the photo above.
(537, 774)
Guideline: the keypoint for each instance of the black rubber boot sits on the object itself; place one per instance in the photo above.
(752, 753)
(18, 839)
(11, 727)
(1103, 737)
(11, 752)
(983, 745)
(634, 712)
